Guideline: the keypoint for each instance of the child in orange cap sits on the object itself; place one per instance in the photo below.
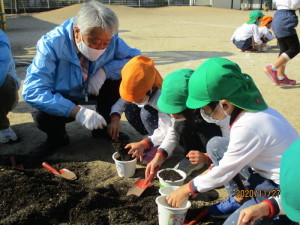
(140, 90)
(264, 32)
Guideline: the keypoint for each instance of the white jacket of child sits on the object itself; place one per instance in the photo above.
(164, 135)
(246, 31)
(287, 4)
(257, 139)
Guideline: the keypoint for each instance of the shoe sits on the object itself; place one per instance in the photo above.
(224, 209)
(149, 155)
(50, 146)
(251, 50)
(272, 74)
(7, 135)
(287, 81)
(263, 49)
(186, 166)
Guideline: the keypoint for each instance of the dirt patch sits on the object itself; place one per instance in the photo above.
(35, 196)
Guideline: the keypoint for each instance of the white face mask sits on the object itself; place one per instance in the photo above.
(89, 53)
(210, 119)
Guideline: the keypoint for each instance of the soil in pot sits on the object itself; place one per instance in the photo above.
(171, 175)
(120, 148)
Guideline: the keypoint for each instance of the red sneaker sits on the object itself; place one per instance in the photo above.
(287, 81)
(272, 74)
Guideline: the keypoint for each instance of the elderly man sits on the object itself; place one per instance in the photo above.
(77, 62)
(9, 85)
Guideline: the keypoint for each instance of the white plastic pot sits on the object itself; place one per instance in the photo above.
(167, 190)
(168, 215)
(124, 168)
(165, 183)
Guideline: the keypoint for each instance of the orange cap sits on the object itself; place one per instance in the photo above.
(138, 76)
(265, 20)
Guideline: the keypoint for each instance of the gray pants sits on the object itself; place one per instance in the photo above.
(8, 100)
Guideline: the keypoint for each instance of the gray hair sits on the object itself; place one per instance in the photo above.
(94, 14)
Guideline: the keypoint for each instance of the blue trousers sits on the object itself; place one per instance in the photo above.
(259, 187)
(143, 119)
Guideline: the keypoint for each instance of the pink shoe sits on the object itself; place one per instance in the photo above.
(149, 155)
(286, 80)
(272, 74)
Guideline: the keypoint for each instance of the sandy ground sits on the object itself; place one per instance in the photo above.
(175, 38)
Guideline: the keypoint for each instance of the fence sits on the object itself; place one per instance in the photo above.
(18, 6)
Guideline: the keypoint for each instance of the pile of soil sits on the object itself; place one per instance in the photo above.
(35, 196)
(120, 148)
(170, 175)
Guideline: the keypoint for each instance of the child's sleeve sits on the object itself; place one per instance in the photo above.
(256, 35)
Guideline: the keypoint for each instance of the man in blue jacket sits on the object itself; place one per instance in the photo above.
(75, 62)
(9, 85)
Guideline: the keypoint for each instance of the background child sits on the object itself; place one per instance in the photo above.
(264, 32)
(259, 135)
(244, 36)
(284, 23)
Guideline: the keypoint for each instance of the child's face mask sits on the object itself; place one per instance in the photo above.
(210, 119)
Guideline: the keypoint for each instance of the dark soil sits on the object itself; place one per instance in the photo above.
(171, 175)
(35, 196)
(120, 148)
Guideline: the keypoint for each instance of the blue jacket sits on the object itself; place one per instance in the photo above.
(55, 77)
(7, 64)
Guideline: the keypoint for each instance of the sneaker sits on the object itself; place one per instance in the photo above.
(50, 146)
(263, 49)
(251, 50)
(287, 81)
(272, 74)
(186, 166)
(7, 135)
(149, 155)
(224, 209)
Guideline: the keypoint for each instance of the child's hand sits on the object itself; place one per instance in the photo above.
(252, 213)
(196, 157)
(156, 162)
(137, 149)
(177, 197)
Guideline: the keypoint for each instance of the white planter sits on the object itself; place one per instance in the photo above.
(124, 168)
(168, 215)
(165, 183)
(167, 190)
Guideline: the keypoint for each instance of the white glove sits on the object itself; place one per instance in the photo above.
(96, 82)
(90, 119)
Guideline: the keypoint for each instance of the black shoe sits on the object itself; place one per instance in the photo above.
(50, 146)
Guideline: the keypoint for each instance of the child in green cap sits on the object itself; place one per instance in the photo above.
(192, 131)
(244, 36)
(259, 136)
(289, 200)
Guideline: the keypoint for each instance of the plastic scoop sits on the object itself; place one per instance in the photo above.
(63, 173)
(140, 186)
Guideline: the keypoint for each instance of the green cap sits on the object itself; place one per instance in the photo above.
(254, 15)
(290, 181)
(218, 78)
(174, 91)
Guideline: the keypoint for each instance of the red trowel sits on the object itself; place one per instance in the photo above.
(63, 173)
(140, 186)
